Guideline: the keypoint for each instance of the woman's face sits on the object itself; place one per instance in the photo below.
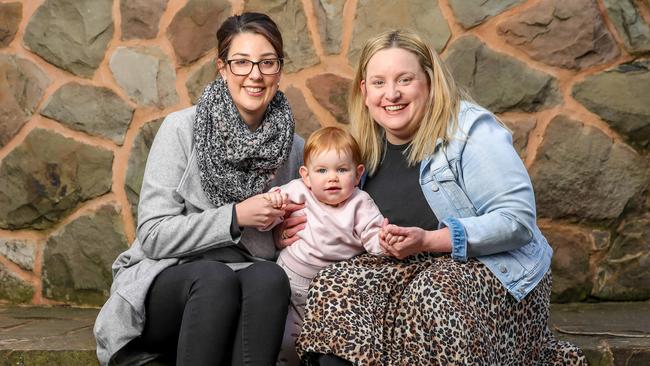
(253, 92)
(396, 93)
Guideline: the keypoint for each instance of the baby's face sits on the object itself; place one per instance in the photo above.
(332, 176)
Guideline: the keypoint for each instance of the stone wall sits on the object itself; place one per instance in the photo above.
(84, 86)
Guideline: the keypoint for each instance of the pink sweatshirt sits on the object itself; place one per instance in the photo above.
(332, 234)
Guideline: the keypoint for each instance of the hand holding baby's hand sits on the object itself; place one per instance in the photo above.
(277, 199)
(389, 237)
(401, 242)
(258, 211)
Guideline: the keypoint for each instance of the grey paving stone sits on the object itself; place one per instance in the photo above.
(609, 333)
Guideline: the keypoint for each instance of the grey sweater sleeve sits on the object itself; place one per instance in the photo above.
(165, 228)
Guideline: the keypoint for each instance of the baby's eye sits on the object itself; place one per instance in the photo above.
(321, 171)
(342, 170)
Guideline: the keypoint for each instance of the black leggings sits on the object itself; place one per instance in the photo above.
(332, 360)
(204, 313)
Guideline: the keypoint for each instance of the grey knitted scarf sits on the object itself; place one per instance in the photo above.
(236, 163)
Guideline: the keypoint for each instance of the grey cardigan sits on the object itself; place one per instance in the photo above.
(176, 223)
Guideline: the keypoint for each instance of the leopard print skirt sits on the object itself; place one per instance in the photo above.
(427, 310)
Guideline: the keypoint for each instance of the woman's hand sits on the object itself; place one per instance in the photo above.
(401, 242)
(388, 239)
(285, 233)
(278, 199)
(257, 212)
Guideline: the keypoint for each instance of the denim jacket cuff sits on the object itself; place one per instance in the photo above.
(458, 238)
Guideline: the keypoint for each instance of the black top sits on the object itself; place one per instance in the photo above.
(395, 187)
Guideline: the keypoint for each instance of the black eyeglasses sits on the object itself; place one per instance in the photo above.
(242, 66)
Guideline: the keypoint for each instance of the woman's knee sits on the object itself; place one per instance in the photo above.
(214, 278)
(266, 277)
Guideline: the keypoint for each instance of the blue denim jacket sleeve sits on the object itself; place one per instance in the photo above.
(495, 180)
(458, 238)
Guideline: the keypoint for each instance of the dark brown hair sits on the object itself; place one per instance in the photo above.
(257, 23)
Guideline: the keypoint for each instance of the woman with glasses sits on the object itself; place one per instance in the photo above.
(197, 287)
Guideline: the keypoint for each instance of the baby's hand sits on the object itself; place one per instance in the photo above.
(387, 238)
(390, 238)
(277, 199)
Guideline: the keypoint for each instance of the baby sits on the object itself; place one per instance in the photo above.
(342, 220)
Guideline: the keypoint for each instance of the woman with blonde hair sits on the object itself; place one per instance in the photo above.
(467, 280)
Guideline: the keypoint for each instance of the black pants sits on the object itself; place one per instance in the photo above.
(204, 313)
(332, 360)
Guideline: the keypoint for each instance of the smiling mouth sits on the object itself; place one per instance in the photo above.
(393, 108)
(251, 89)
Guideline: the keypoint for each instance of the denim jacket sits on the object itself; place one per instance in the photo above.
(479, 188)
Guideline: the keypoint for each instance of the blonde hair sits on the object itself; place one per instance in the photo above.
(440, 117)
(328, 138)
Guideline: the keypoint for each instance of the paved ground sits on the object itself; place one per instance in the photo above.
(609, 333)
(47, 336)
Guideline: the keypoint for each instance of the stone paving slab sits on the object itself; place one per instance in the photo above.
(47, 336)
(611, 334)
